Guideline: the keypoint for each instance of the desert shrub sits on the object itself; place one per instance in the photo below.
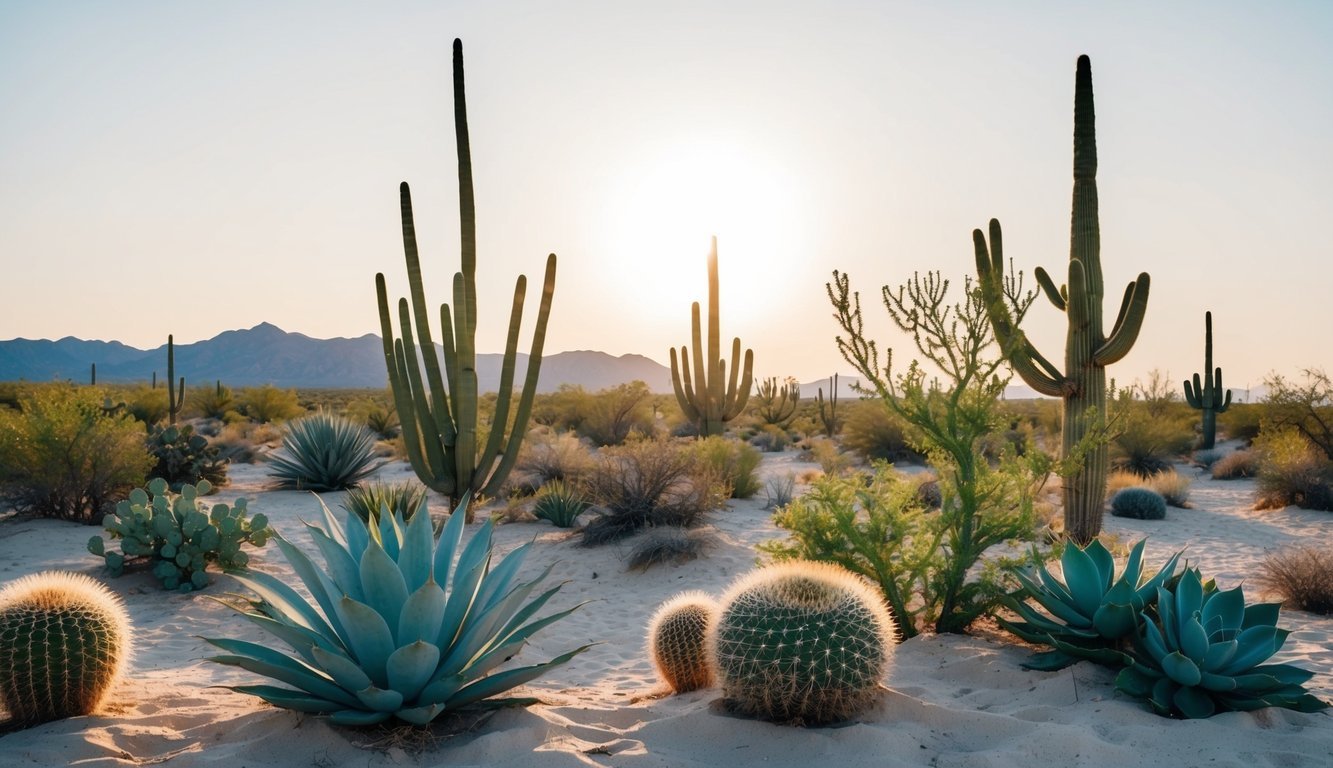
(648, 484)
(614, 414)
(548, 456)
(62, 455)
(735, 463)
(1138, 503)
(1241, 421)
(1306, 408)
(928, 492)
(771, 439)
(779, 490)
(1173, 487)
(830, 458)
(323, 452)
(561, 503)
(368, 500)
(877, 434)
(185, 458)
(268, 404)
(147, 404)
(1145, 443)
(1292, 471)
(1235, 465)
(378, 414)
(666, 545)
(1117, 479)
(211, 402)
(1207, 457)
(1302, 576)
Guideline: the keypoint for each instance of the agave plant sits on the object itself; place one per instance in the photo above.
(1092, 614)
(397, 628)
(1203, 651)
(324, 452)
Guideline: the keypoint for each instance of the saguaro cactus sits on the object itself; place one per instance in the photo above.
(828, 409)
(1082, 383)
(708, 398)
(439, 414)
(777, 404)
(1208, 395)
(175, 396)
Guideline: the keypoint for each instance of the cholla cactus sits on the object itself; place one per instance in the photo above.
(801, 642)
(676, 635)
(64, 640)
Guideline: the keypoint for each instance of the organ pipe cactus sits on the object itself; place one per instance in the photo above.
(709, 398)
(397, 628)
(439, 413)
(1092, 614)
(777, 404)
(1088, 350)
(1202, 652)
(175, 394)
(1208, 395)
(828, 409)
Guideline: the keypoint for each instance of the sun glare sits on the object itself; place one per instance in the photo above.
(664, 209)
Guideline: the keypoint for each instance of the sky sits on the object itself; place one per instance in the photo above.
(191, 168)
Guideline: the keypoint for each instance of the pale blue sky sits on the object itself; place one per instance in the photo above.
(190, 168)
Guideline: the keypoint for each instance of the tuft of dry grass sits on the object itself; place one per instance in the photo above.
(1173, 486)
(668, 544)
(1302, 576)
(1236, 465)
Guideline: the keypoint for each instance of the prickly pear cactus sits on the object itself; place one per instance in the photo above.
(801, 642)
(64, 640)
(676, 637)
(179, 534)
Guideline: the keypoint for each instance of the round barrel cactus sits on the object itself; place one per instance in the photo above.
(1139, 503)
(64, 640)
(801, 642)
(676, 637)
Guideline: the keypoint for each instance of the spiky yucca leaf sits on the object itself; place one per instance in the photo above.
(402, 623)
(324, 452)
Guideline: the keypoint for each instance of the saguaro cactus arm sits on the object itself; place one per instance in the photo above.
(1128, 322)
(1208, 393)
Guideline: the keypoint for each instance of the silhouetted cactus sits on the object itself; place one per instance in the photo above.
(1082, 383)
(1208, 395)
(676, 640)
(708, 398)
(439, 415)
(828, 409)
(64, 640)
(175, 396)
(777, 404)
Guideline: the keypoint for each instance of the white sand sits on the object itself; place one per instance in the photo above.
(951, 700)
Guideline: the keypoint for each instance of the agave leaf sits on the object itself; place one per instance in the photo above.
(284, 599)
(288, 699)
(1193, 703)
(1148, 591)
(382, 583)
(1101, 558)
(447, 546)
(501, 576)
(1098, 653)
(486, 626)
(1065, 610)
(1299, 700)
(389, 535)
(499, 682)
(1115, 621)
(1053, 585)
(358, 717)
(1040, 625)
(343, 568)
(285, 669)
(1193, 640)
(410, 668)
(1260, 614)
(1217, 683)
(300, 639)
(468, 575)
(422, 614)
(1220, 654)
(371, 641)
(1153, 642)
(1163, 695)
(1167, 613)
(1083, 580)
(414, 558)
(380, 699)
(1181, 669)
(358, 534)
(331, 525)
(1134, 682)
(1256, 645)
(1224, 612)
(1281, 674)
(1048, 661)
(1133, 566)
(344, 671)
(420, 715)
(320, 586)
(1189, 595)
(502, 651)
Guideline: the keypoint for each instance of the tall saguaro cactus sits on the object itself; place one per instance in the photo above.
(709, 398)
(1082, 383)
(439, 414)
(175, 396)
(1208, 395)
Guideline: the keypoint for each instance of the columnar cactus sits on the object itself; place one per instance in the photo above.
(1208, 395)
(777, 404)
(64, 640)
(676, 635)
(175, 396)
(801, 642)
(708, 398)
(828, 409)
(439, 414)
(1082, 383)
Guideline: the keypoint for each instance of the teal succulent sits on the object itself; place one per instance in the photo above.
(397, 627)
(324, 452)
(1092, 614)
(1202, 653)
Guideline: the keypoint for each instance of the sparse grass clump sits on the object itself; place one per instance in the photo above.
(547, 456)
(648, 484)
(779, 490)
(1303, 576)
(668, 545)
(1236, 465)
(734, 462)
(876, 433)
(1173, 487)
(561, 503)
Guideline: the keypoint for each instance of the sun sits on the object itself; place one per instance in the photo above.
(665, 207)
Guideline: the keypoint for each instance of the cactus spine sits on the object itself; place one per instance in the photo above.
(1082, 384)
(439, 415)
(776, 405)
(676, 635)
(802, 642)
(828, 409)
(64, 640)
(708, 398)
(1208, 395)
(175, 395)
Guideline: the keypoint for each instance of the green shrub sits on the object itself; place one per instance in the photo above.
(1144, 443)
(1306, 408)
(830, 458)
(559, 502)
(1302, 576)
(611, 416)
(269, 404)
(184, 457)
(1138, 503)
(62, 455)
(1241, 421)
(874, 432)
(179, 535)
(211, 402)
(771, 439)
(323, 452)
(403, 499)
(647, 484)
(1207, 457)
(1292, 472)
(1236, 464)
(147, 404)
(734, 462)
(379, 416)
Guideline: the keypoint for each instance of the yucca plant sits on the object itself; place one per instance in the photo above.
(397, 628)
(561, 503)
(1092, 614)
(1202, 653)
(396, 499)
(323, 452)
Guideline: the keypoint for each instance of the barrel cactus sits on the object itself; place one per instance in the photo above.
(801, 642)
(676, 636)
(64, 641)
(1138, 503)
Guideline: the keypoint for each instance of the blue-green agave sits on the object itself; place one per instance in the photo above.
(1092, 613)
(397, 628)
(1202, 653)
